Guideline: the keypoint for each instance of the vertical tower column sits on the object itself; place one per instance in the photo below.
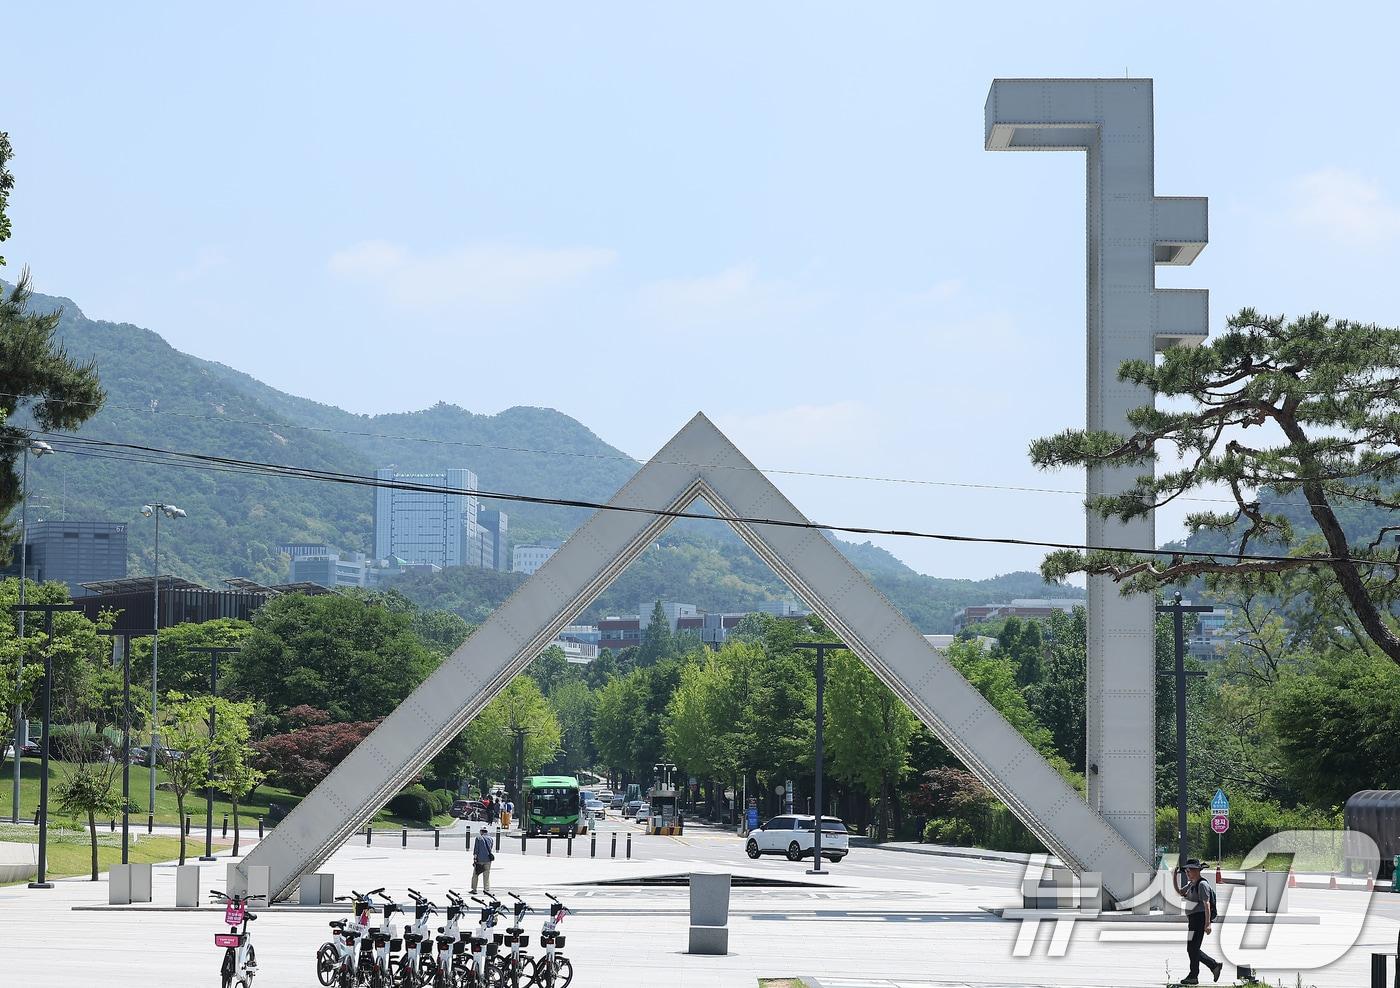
(1129, 231)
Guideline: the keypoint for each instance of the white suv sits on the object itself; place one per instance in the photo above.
(794, 836)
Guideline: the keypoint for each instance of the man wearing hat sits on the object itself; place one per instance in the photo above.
(482, 856)
(1200, 897)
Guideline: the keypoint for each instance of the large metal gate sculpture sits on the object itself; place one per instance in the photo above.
(700, 462)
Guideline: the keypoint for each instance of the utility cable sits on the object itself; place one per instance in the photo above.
(152, 454)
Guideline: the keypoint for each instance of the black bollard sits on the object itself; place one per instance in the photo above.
(437, 838)
(260, 828)
(524, 838)
(113, 828)
(150, 823)
(498, 840)
(614, 846)
(405, 837)
(187, 824)
(629, 847)
(593, 845)
(569, 846)
(369, 835)
(548, 844)
(225, 824)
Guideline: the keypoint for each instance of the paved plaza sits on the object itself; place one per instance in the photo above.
(884, 918)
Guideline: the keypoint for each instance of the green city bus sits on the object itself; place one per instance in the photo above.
(551, 805)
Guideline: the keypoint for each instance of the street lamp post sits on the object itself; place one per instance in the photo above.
(38, 448)
(821, 648)
(214, 652)
(126, 637)
(40, 879)
(155, 510)
(1177, 609)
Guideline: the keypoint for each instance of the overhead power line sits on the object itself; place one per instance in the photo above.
(632, 461)
(222, 464)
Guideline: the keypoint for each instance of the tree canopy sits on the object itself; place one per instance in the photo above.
(1273, 408)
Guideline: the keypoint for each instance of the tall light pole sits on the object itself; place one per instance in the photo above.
(214, 651)
(38, 448)
(154, 510)
(1180, 673)
(821, 648)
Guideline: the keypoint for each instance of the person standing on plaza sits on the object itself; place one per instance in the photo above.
(506, 812)
(482, 856)
(1200, 897)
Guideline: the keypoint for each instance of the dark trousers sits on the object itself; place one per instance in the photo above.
(1195, 933)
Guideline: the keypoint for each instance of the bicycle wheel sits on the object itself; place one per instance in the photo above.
(563, 973)
(226, 969)
(327, 960)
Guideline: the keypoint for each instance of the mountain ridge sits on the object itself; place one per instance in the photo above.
(163, 398)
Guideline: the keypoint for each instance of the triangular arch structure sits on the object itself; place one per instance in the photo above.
(700, 462)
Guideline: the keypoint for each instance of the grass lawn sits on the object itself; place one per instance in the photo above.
(166, 812)
(70, 853)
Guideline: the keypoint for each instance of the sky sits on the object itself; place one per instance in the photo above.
(779, 214)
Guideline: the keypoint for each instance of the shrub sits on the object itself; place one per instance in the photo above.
(414, 803)
(442, 800)
(1251, 820)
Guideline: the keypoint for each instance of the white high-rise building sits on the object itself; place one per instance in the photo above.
(425, 526)
(531, 556)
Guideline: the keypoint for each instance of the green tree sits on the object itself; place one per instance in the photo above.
(1057, 696)
(520, 708)
(231, 755)
(186, 751)
(7, 182)
(616, 723)
(868, 731)
(1338, 725)
(1322, 396)
(551, 669)
(575, 706)
(657, 642)
(87, 772)
(704, 714)
(182, 669)
(40, 378)
(355, 659)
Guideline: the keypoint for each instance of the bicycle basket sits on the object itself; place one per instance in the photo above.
(228, 939)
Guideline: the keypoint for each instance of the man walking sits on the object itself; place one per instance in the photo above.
(482, 856)
(1200, 896)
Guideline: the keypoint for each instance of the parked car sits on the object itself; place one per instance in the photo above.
(794, 835)
(460, 808)
(31, 749)
(630, 810)
(137, 755)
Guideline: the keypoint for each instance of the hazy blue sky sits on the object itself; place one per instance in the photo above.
(779, 214)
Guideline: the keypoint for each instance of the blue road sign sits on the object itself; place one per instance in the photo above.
(752, 818)
(1219, 805)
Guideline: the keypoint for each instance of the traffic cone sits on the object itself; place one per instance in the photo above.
(1219, 878)
(1292, 880)
(1370, 884)
(1332, 882)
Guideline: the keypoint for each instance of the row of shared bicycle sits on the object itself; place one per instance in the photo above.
(366, 951)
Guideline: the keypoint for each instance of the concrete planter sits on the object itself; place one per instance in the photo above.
(709, 913)
(187, 886)
(19, 862)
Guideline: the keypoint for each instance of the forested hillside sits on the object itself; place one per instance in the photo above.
(162, 398)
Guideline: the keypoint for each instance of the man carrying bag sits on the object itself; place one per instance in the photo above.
(482, 856)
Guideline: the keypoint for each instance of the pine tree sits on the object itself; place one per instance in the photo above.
(1274, 409)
